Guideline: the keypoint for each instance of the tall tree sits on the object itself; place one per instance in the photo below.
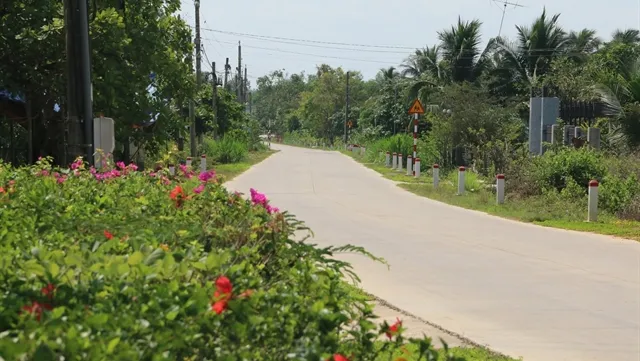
(461, 51)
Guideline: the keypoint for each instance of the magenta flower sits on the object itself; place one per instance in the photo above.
(258, 198)
(121, 165)
(205, 176)
(61, 179)
(133, 167)
(199, 189)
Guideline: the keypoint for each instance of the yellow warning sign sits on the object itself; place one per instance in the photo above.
(416, 107)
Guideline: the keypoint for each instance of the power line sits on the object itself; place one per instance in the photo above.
(307, 40)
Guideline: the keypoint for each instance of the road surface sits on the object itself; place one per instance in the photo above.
(526, 291)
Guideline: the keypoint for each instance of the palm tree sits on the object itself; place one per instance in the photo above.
(388, 74)
(629, 36)
(531, 55)
(423, 61)
(583, 42)
(461, 50)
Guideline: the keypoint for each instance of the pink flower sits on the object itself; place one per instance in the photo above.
(121, 165)
(205, 176)
(152, 174)
(272, 209)
(44, 172)
(93, 170)
(199, 189)
(61, 180)
(133, 167)
(258, 198)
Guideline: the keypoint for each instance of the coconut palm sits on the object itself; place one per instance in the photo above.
(583, 42)
(531, 55)
(461, 51)
(423, 61)
(629, 36)
(388, 74)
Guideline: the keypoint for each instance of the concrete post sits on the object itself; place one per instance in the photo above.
(362, 151)
(578, 133)
(461, 171)
(172, 169)
(555, 134)
(593, 201)
(416, 168)
(436, 175)
(394, 160)
(387, 160)
(569, 133)
(400, 159)
(409, 165)
(500, 188)
(593, 137)
(203, 163)
(188, 162)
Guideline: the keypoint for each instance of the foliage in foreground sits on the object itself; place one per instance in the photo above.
(123, 265)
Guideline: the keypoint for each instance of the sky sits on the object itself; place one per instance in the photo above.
(393, 27)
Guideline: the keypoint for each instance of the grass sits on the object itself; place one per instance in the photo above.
(549, 211)
(230, 171)
(411, 352)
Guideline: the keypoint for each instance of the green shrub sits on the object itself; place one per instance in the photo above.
(616, 194)
(553, 169)
(124, 265)
(226, 150)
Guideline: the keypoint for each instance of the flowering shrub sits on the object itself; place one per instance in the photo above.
(116, 264)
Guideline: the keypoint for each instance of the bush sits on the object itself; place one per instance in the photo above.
(124, 265)
(226, 150)
(553, 169)
(616, 194)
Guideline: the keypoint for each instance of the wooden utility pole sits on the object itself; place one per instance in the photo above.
(214, 97)
(245, 89)
(192, 116)
(239, 75)
(346, 114)
(227, 68)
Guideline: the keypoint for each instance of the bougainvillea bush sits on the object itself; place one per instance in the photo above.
(116, 264)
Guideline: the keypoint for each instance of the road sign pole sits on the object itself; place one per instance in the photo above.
(416, 109)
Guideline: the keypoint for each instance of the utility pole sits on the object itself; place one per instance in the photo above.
(245, 89)
(79, 92)
(192, 137)
(239, 75)
(227, 68)
(396, 103)
(346, 114)
(192, 115)
(214, 79)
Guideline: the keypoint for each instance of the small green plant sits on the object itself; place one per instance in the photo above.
(229, 149)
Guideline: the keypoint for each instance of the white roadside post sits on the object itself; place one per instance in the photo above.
(500, 188)
(416, 167)
(172, 169)
(409, 165)
(394, 160)
(400, 167)
(203, 163)
(436, 175)
(593, 201)
(416, 109)
(188, 162)
(461, 171)
(387, 159)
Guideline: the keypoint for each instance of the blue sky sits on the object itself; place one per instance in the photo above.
(406, 23)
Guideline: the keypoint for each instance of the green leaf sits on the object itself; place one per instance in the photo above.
(154, 256)
(112, 345)
(98, 319)
(135, 258)
(32, 268)
(53, 269)
(44, 353)
(171, 315)
(58, 312)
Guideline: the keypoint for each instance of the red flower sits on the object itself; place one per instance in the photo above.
(48, 290)
(339, 357)
(36, 308)
(177, 194)
(1, 190)
(108, 234)
(219, 306)
(394, 329)
(223, 284)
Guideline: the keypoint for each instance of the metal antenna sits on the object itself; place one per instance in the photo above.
(504, 10)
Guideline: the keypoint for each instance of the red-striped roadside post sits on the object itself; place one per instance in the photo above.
(436, 175)
(416, 109)
(394, 160)
(500, 188)
(172, 169)
(400, 167)
(461, 171)
(592, 215)
(416, 167)
(188, 162)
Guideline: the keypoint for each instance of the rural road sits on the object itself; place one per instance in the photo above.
(523, 290)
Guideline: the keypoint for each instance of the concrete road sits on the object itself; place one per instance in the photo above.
(526, 291)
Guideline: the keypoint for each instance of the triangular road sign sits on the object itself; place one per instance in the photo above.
(416, 107)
